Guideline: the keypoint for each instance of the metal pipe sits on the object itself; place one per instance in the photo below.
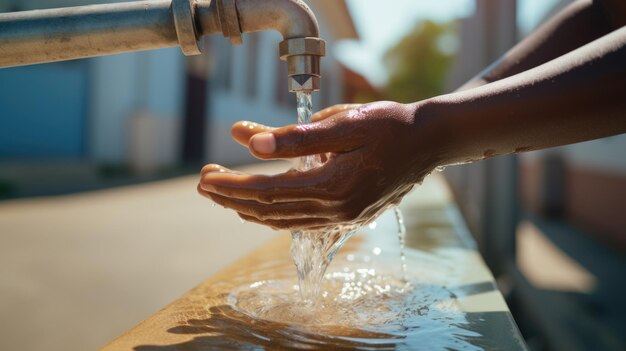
(77, 32)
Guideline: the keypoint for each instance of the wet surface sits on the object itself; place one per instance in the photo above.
(450, 302)
(365, 304)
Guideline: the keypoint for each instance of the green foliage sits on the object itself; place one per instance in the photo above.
(419, 63)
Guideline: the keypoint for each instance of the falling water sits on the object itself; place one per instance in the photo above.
(313, 250)
(402, 239)
(305, 116)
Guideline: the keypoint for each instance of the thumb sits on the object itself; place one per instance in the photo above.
(244, 130)
(330, 135)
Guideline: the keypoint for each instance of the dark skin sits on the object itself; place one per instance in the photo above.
(565, 83)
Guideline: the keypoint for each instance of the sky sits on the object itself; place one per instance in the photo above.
(380, 27)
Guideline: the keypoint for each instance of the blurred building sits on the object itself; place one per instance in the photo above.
(550, 224)
(152, 110)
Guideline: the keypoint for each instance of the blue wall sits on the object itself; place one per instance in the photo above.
(43, 111)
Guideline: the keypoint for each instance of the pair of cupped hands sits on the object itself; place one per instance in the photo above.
(372, 156)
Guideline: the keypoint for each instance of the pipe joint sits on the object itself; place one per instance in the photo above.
(184, 15)
(229, 20)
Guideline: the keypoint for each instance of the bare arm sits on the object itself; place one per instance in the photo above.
(578, 24)
(576, 97)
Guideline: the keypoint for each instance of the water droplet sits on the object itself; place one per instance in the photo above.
(377, 251)
(242, 220)
(350, 257)
(213, 204)
(373, 225)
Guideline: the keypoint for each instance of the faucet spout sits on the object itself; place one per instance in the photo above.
(302, 47)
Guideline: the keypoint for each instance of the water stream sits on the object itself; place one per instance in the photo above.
(313, 250)
(402, 240)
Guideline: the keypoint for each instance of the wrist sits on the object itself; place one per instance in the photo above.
(433, 133)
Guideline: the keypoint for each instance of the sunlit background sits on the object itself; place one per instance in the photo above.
(99, 217)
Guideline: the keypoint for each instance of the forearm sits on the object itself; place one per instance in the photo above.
(577, 97)
(578, 24)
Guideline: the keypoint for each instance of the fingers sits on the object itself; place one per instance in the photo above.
(292, 224)
(271, 189)
(334, 134)
(286, 210)
(294, 215)
(213, 168)
(244, 130)
(291, 200)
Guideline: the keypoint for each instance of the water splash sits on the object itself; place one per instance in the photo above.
(361, 302)
(368, 305)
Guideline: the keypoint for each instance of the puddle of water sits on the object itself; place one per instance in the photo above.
(364, 304)
(367, 300)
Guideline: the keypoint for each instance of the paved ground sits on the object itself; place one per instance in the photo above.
(77, 271)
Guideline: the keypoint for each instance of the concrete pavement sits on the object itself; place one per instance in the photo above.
(78, 270)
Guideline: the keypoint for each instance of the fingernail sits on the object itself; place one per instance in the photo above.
(207, 187)
(264, 143)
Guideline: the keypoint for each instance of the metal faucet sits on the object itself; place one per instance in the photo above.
(39, 36)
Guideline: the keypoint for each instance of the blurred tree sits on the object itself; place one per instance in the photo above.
(418, 64)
